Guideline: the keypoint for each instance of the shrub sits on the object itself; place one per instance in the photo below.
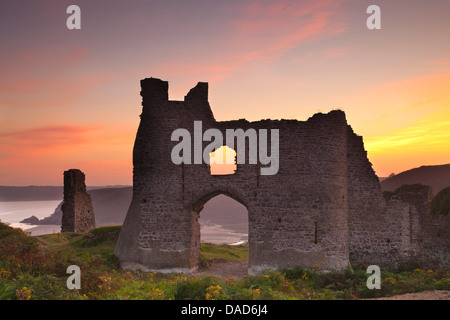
(22, 253)
(195, 288)
(440, 205)
(30, 287)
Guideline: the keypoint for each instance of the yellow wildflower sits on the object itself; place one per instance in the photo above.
(23, 294)
(213, 292)
(256, 293)
(391, 280)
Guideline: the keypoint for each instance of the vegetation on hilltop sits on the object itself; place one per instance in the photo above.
(35, 268)
(440, 205)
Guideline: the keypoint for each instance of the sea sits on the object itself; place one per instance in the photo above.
(12, 212)
(15, 211)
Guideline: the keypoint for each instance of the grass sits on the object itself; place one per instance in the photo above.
(35, 268)
(210, 252)
(99, 242)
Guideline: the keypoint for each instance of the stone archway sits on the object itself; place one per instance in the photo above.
(210, 193)
(197, 207)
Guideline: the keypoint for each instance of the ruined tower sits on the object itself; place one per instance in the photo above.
(296, 217)
(78, 213)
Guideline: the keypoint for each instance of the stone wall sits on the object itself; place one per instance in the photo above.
(403, 234)
(426, 239)
(435, 246)
(78, 213)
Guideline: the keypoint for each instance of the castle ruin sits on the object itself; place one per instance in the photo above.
(323, 208)
(77, 210)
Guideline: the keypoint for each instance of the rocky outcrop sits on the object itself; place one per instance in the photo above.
(31, 220)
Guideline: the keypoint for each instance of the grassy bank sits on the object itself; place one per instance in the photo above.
(35, 268)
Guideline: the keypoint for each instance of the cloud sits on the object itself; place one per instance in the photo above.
(413, 115)
(41, 59)
(48, 138)
(422, 144)
(38, 154)
(401, 103)
(263, 31)
(274, 28)
(333, 52)
(441, 63)
(47, 78)
(43, 92)
(428, 133)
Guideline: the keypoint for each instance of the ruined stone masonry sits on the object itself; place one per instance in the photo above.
(78, 213)
(324, 206)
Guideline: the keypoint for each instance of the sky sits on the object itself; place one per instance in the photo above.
(70, 98)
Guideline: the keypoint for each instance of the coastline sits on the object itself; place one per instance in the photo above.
(14, 212)
(210, 233)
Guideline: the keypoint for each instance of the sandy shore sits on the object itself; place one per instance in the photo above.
(216, 234)
(44, 229)
(210, 233)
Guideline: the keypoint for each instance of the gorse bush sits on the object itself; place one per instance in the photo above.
(22, 253)
(194, 288)
(35, 268)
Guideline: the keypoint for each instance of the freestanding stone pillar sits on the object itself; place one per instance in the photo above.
(78, 213)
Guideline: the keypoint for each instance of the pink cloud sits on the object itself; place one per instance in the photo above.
(47, 77)
(41, 58)
(276, 28)
(77, 54)
(47, 137)
(53, 149)
(441, 63)
(263, 31)
(51, 85)
(333, 52)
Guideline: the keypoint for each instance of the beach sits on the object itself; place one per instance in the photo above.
(216, 234)
(15, 211)
(210, 233)
(12, 212)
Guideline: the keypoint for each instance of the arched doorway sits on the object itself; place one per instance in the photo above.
(220, 233)
(223, 221)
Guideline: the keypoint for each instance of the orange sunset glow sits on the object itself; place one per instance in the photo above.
(223, 161)
(70, 98)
